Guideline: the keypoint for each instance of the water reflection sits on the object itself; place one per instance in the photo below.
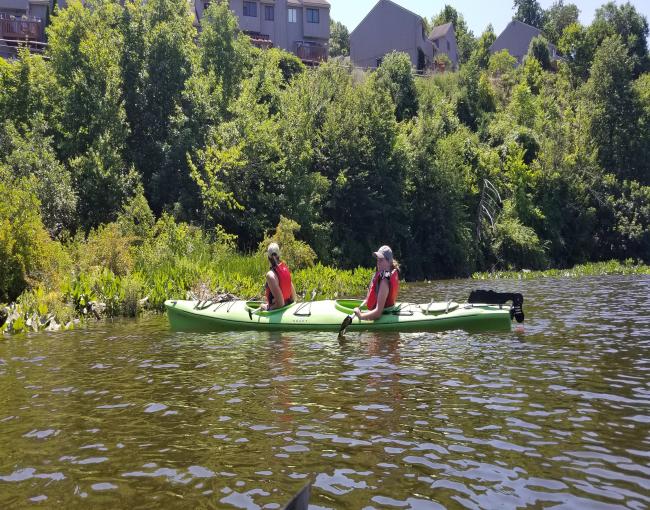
(133, 415)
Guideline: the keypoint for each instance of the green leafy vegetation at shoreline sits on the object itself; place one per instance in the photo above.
(140, 158)
(612, 267)
(117, 272)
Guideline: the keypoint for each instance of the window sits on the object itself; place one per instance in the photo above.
(269, 13)
(313, 16)
(250, 9)
(292, 15)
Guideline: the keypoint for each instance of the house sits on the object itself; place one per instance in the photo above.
(299, 26)
(443, 38)
(516, 39)
(390, 27)
(23, 22)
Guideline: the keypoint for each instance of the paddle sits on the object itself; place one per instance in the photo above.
(251, 312)
(344, 325)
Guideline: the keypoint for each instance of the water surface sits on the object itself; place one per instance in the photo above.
(132, 415)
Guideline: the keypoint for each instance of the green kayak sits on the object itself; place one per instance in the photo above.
(329, 314)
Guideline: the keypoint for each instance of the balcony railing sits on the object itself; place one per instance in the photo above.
(311, 52)
(20, 29)
(262, 41)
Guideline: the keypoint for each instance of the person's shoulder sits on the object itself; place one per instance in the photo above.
(271, 274)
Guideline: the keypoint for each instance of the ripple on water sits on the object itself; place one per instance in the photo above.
(554, 416)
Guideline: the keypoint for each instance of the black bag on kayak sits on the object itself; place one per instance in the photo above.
(490, 297)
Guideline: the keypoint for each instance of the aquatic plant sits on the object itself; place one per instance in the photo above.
(611, 267)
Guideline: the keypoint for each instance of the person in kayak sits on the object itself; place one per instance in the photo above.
(384, 286)
(279, 287)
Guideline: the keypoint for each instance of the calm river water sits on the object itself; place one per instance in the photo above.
(132, 415)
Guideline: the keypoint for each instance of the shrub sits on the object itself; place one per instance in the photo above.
(25, 246)
(297, 254)
(517, 246)
(108, 247)
(136, 218)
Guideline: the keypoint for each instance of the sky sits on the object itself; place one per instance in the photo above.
(478, 14)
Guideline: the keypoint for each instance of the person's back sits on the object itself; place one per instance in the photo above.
(279, 287)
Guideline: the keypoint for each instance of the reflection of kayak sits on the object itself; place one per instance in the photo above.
(328, 315)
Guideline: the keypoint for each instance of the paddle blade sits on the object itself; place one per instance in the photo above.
(344, 325)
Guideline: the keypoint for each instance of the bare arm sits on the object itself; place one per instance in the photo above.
(274, 286)
(382, 295)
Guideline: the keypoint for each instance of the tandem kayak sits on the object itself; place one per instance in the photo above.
(327, 315)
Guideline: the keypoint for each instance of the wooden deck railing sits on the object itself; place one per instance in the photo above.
(20, 29)
(311, 52)
(262, 41)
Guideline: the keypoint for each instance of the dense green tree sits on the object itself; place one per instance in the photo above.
(439, 170)
(538, 50)
(28, 89)
(475, 96)
(132, 106)
(85, 48)
(481, 54)
(225, 52)
(529, 12)
(577, 45)
(557, 18)
(624, 20)
(615, 112)
(464, 36)
(31, 155)
(171, 104)
(502, 71)
(396, 77)
(339, 39)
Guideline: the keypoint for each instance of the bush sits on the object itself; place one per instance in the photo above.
(136, 218)
(330, 283)
(517, 246)
(26, 251)
(297, 254)
(106, 247)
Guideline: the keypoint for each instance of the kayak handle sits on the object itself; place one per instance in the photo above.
(299, 311)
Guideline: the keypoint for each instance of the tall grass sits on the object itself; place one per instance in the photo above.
(612, 267)
(114, 273)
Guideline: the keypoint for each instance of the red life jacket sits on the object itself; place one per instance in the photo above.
(393, 289)
(284, 278)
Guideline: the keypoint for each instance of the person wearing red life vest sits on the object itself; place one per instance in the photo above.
(279, 287)
(384, 286)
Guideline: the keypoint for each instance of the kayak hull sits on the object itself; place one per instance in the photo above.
(328, 315)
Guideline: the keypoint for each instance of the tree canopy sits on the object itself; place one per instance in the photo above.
(133, 113)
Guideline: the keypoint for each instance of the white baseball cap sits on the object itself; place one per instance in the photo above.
(273, 249)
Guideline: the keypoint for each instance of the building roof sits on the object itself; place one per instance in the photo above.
(315, 3)
(386, 2)
(516, 39)
(440, 31)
